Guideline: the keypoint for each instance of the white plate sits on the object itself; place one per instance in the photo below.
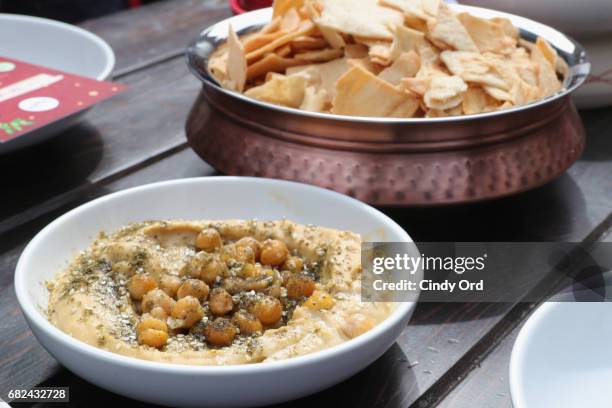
(562, 357)
(56, 45)
(204, 198)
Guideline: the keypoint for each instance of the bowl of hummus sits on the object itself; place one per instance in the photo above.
(183, 292)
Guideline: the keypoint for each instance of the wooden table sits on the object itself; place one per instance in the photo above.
(450, 355)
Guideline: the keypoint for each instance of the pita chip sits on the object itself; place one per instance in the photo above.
(305, 28)
(270, 63)
(445, 92)
(236, 62)
(319, 55)
(315, 99)
(307, 43)
(446, 31)
(487, 34)
(475, 100)
(281, 90)
(280, 7)
(361, 93)
(548, 82)
(404, 40)
(356, 51)
(323, 76)
(407, 65)
(366, 18)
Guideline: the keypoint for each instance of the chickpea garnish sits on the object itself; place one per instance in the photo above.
(152, 332)
(319, 300)
(153, 338)
(188, 310)
(251, 243)
(299, 286)
(170, 284)
(247, 323)
(251, 270)
(294, 264)
(193, 287)
(140, 284)
(274, 290)
(206, 267)
(209, 240)
(221, 332)
(154, 298)
(274, 252)
(234, 284)
(356, 325)
(267, 309)
(159, 312)
(149, 322)
(238, 253)
(220, 302)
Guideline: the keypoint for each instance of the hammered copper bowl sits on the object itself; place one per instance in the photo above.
(386, 161)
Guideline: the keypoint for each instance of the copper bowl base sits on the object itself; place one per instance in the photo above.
(522, 161)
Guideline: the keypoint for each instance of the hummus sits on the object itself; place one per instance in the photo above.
(215, 292)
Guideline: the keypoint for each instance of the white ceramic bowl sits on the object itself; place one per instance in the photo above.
(204, 198)
(562, 357)
(55, 45)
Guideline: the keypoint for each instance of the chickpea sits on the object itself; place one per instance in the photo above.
(170, 284)
(294, 264)
(258, 284)
(159, 312)
(251, 243)
(149, 322)
(140, 284)
(319, 300)
(213, 269)
(251, 270)
(155, 298)
(267, 309)
(238, 253)
(153, 338)
(221, 332)
(234, 284)
(193, 287)
(189, 310)
(209, 240)
(357, 324)
(247, 323)
(274, 252)
(206, 267)
(152, 332)
(274, 290)
(285, 275)
(300, 286)
(220, 302)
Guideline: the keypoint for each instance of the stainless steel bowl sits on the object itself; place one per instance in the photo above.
(390, 161)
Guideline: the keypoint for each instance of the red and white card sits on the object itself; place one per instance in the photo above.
(32, 96)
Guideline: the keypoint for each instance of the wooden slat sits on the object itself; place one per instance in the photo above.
(159, 31)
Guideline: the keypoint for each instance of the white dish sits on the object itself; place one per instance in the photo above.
(562, 357)
(56, 45)
(204, 198)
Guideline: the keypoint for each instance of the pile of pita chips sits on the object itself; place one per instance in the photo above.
(387, 58)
